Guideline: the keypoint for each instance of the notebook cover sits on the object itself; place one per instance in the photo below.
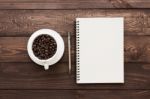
(99, 50)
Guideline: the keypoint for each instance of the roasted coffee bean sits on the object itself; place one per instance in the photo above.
(44, 46)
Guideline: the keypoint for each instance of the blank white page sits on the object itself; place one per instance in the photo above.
(100, 50)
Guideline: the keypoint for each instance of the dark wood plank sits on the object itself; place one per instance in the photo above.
(113, 94)
(74, 94)
(38, 94)
(13, 49)
(73, 4)
(32, 76)
(25, 22)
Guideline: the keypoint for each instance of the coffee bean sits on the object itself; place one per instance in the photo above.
(44, 46)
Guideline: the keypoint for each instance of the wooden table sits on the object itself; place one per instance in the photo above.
(20, 78)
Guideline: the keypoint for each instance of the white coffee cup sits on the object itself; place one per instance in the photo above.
(59, 51)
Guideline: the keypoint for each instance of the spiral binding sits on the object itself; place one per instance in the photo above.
(77, 52)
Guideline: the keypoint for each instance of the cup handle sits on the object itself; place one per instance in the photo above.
(46, 66)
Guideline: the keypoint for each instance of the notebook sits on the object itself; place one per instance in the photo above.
(99, 50)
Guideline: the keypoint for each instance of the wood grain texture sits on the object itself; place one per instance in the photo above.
(32, 76)
(17, 71)
(20, 78)
(25, 22)
(137, 49)
(72, 4)
(37, 94)
(14, 49)
(74, 94)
